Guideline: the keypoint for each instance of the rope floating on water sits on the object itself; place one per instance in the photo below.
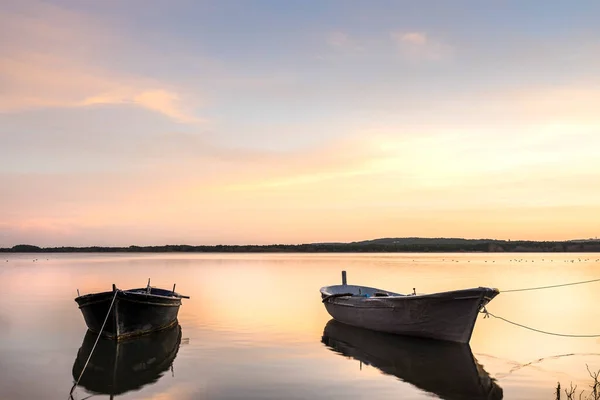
(94, 347)
(488, 314)
(551, 286)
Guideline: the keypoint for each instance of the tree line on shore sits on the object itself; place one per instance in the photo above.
(386, 245)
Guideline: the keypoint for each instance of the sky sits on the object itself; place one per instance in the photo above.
(153, 122)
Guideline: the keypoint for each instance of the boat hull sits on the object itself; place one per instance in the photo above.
(447, 316)
(132, 314)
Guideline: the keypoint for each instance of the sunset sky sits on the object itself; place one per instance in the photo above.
(204, 122)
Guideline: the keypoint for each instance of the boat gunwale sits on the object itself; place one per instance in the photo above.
(132, 291)
(128, 292)
(397, 296)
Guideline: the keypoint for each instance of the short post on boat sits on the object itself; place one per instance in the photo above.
(114, 288)
(78, 293)
(174, 288)
(148, 286)
(344, 282)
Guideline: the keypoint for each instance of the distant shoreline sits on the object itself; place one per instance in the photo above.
(385, 245)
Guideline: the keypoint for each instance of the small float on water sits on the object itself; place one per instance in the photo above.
(447, 316)
(121, 314)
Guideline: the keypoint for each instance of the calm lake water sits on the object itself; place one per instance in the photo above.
(255, 328)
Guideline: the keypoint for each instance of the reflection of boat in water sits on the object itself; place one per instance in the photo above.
(445, 369)
(118, 367)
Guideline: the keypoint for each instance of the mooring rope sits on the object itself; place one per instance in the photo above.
(488, 314)
(95, 343)
(551, 286)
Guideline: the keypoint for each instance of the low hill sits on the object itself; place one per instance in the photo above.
(424, 241)
(390, 245)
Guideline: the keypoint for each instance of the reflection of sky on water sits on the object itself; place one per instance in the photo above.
(254, 322)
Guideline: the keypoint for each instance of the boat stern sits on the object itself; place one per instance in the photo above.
(94, 308)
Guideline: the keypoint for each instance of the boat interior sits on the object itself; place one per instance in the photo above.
(154, 292)
(355, 290)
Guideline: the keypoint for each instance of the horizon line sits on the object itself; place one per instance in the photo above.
(307, 243)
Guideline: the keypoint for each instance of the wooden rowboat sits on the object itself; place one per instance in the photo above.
(131, 312)
(447, 316)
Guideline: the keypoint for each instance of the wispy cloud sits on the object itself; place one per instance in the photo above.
(343, 42)
(377, 174)
(162, 101)
(415, 38)
(418, 46)
(46, 65)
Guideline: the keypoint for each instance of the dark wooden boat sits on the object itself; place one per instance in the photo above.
(117, 367)
(446, 315)
(134, 312)
(445, 369)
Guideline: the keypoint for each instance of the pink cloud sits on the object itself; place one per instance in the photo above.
(162, 101)
(418, 46)
(416, 38)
